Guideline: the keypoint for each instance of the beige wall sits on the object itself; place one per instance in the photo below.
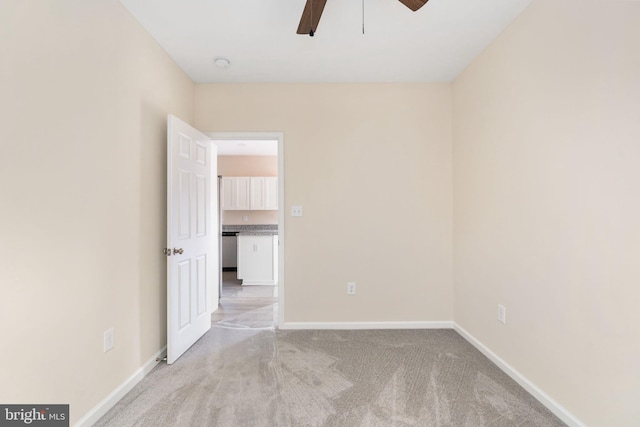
(371, 165)
(547, 203)
(85, 93)
(248, 166)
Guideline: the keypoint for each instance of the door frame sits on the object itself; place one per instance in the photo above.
(257, 136)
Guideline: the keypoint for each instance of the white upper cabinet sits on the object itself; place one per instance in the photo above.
(236, 193)
(241, 193)
(257, 193)
(226, 194)
(271, 193)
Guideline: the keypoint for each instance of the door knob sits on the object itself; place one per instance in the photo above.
(177, 251)
(166, 251)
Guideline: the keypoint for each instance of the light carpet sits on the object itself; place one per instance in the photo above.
(270, 377)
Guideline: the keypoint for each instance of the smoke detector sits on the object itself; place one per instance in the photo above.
(222, 62)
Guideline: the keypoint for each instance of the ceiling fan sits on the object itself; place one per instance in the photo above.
(313, 11)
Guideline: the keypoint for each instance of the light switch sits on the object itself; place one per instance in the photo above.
(296, 210)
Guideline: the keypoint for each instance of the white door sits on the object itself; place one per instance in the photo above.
(192, 238)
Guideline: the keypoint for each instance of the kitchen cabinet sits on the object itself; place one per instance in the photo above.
(236, 192)
(271, 193)
(242, 193)
(257, 193)
(264, 193)
(258, 259)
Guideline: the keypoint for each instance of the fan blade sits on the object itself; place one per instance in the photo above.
(414, 4)
(311, 16)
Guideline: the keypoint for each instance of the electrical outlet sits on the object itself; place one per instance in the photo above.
(108, 340)
(245, 218)
(296, 210)
(502, 314)
(351, 288)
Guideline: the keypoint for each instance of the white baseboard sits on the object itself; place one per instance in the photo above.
(109, 402)
(445, 324)
(559, 411)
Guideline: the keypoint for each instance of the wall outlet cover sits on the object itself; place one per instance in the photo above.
(108, 340)
(351, 288)
(502, 314)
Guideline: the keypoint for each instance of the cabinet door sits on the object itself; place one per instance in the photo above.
(227, 193)
(257, 193)
(235, 193)
(255, 259)
(271, 193)
(242, 193)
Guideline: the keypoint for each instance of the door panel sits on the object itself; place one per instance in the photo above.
(185, 204)
(184, 285)
(201, 206)
(201, 281)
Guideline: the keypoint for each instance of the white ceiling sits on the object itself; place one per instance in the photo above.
(242, 147)
(259, 37)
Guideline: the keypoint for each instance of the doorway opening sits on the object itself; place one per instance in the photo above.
(251, 228)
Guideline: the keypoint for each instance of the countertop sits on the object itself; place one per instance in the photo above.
(252, 229)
